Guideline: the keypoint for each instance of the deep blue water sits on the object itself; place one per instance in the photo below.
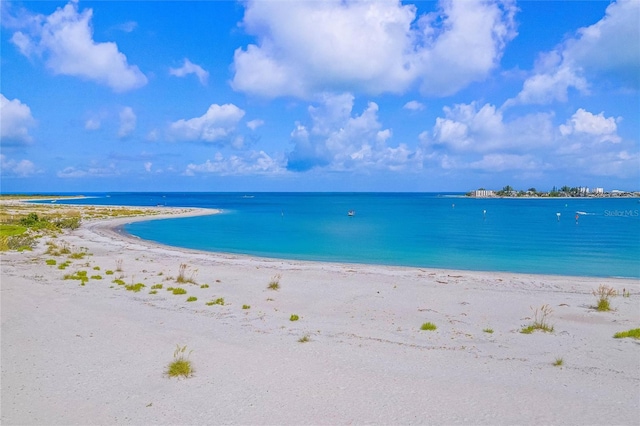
(409, 229)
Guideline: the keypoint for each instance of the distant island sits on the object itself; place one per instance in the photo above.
(564, 192)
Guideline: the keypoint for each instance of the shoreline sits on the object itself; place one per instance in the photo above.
(96, 353)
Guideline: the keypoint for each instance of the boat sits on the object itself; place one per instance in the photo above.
(351, 213)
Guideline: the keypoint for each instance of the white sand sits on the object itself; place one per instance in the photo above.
(96, 354)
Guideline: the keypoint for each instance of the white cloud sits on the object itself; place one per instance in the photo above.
(15, 121)
(218, 123)
(609, 48)
(147, 166)
(92, 124)
(584, 122)
(502, 162)
(94, 170)
(22, 168)
(339, 140)
(254, 124)
(127, 27)
(371, 46)
(250, 163)
(414, 106)
(191, 68)
(65, 40)
(127, 122)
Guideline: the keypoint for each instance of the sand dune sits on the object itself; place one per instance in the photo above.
(96, 354)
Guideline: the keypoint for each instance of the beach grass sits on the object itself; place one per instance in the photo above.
(192, 299)
(603, 295)
(428, 326)
(181, 365)
(51, 262)
(634, 333)
(558, 362)
(294, 317)
(274, 284)
(488, 330)
(134, 287)
(304, 339)
(540, 320)
(246, 306)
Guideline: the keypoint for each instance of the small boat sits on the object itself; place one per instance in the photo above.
(351, 213)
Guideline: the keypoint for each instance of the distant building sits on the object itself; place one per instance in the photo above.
(483, 193)
(598, 190)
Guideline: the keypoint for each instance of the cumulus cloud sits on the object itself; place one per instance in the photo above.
(337, 139)
(65, 40)
(597, 126)
(218, 123)
(15, 119)
(308, 47)
(252, 162)
(22, 168)
(127, 122)
(609, 48)
(190, 68)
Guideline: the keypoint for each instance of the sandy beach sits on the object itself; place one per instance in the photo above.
(97, 353)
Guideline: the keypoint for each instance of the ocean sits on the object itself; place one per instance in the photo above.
(570, 236)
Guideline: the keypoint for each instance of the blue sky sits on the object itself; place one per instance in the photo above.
(341, 95)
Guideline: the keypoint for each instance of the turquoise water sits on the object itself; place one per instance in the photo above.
(421, 230)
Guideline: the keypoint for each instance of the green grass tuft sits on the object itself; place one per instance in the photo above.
(153, 292)
(192, 299)
(246, 307)
(540, 320)
(134, 287)
(604, 293)
(204, 286)
(304, 339)
(179, 290)
(51, 262)
(156, 286)
(634, 333)
(488, 330)
(118, 281)
(181, 365)
(428, 326)
(558, 362)
(294, 317)
(218, 301)
(96, 277)
(108, 272)
(274, 284)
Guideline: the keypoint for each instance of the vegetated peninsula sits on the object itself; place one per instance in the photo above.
(565, 191)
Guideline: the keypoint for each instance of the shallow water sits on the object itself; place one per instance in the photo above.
(408, 229)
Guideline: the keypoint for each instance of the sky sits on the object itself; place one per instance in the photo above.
(322, 95)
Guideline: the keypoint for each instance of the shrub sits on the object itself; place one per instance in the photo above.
(108, 272)
(156, 286)
(192, 299)
(51, 262)
(274, 284)
(603, 294)
(96, 268)
(634, 333)
(181, 365)
(118, 281)
(540, 320)
(96, 277)
(179, 290)
(204, 286)
(294, 317)
(428, 326)
(246, 307)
